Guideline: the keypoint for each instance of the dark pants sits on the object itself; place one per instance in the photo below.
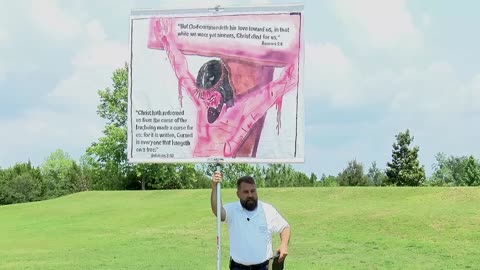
(237, 266)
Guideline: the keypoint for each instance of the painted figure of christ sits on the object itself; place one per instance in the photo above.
(231, 93)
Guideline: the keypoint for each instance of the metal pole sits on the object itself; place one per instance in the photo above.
(216, 9)
(219, 220)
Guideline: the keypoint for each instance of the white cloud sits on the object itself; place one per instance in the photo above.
(473, 92)
(3, 41)
(3, 73)
(3, 36)
(93, 67)
(15, 31)
(8, 21)
(332, 142)
(53, 20)
(95, 31)
(427, 99)
(426, 20)
(328, 74)
(100, 53)
(454, 133)
(382, 24)
(39, 132)
(72, 122)
(434, 89)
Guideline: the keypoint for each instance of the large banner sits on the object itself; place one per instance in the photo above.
(216, 84)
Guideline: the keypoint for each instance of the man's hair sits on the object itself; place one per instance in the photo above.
(245, 179)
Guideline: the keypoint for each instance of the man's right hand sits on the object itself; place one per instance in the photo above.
(216, 178)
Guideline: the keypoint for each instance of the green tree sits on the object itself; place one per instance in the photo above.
(327, 181)
(448, 171)
(114, 102)
(170, 176)
(107, 158)
(301, 180)
(313, 179)
(202, 181)
(281, 175)
(79, 178)
(232, 171)
(21, 183)
(352, 175)
(375, 176)
(2, 182)
(442, 174)
(472, 172)
(57, 174)
(405, 169)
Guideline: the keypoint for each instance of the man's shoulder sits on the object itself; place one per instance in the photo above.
(232, 210)
(267, 206)
(231, 205)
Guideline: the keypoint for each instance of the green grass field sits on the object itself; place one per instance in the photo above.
(332, 228)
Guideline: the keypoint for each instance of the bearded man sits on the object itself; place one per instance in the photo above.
(251, 224)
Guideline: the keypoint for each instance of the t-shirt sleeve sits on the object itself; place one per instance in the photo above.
(228, 212)
(278, 223)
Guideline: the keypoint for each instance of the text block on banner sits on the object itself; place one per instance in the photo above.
(225, 84)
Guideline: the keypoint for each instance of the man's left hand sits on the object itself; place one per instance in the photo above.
(283, 251)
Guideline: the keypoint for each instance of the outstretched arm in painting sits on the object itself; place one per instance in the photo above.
(160, 35)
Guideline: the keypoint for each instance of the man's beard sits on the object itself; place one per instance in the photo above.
(249, 204)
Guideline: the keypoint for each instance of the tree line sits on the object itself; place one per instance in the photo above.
(104, 165)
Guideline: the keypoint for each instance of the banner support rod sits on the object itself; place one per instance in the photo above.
(218, 162)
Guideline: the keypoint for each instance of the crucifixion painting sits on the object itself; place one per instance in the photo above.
(232, 91)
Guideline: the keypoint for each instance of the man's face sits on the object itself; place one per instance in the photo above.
(247, 193)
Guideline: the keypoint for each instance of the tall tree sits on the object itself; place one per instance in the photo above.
(21, 183)
(107, 157)
(375, 176)
(405, 169)
(327, 181)
(472, 172)
(280, 175)
(56, 172)
(449, 171)
(313, 179)
(352, 175)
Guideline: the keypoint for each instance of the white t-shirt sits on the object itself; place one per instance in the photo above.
(251, 232)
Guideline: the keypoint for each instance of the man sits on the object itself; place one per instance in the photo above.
(251, 224)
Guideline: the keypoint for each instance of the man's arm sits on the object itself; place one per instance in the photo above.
(283, 248)
(216, 180)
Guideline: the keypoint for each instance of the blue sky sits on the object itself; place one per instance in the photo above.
(373, 68)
